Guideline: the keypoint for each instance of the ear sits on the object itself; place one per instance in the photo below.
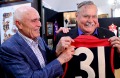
(98, 25)
(18, 24)
(76, 14)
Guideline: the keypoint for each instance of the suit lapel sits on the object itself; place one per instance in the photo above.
(74, 33)
(101, 34)
(42, 49)
(26, 49)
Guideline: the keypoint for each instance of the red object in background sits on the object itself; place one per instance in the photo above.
(113, 28)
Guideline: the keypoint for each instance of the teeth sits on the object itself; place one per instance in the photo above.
(90, 24)
(87, 24)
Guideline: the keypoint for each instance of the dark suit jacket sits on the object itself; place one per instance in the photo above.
(19, 61)
(102, 33)
(73, 33)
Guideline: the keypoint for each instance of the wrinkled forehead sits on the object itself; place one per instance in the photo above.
(31, 14)
(88, 7)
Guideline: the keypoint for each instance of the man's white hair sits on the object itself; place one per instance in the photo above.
(19, 12)
(79, 5)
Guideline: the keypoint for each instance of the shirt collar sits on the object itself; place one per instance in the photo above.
(80, 32)
(28, 40)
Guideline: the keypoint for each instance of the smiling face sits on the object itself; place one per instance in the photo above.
(87, 19)
(29, 25)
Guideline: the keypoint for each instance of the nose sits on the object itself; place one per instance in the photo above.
(39, 23)
(90, 19)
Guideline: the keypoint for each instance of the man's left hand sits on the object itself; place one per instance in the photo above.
(115, 42)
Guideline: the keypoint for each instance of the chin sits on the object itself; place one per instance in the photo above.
(35, 36)
(38, 35)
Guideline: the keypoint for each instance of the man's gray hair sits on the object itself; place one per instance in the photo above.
(79, 5)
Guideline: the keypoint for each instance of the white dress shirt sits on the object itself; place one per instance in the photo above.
(34, 46)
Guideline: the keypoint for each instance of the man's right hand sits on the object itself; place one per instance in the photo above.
(63, 29)
(66, 55)
(63, 43)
